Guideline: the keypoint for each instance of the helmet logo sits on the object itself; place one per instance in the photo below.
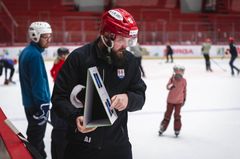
(133, 32)
(130, 20)
(115, 14)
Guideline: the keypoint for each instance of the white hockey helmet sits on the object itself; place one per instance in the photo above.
(179, 68)
(37, 28)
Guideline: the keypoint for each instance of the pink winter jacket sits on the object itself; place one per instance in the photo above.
(177, 90)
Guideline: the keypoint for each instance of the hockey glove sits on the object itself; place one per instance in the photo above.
(42, 114)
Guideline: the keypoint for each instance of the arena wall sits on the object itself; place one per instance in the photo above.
(151, 51)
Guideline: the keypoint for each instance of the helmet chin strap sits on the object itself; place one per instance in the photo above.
(109, 48)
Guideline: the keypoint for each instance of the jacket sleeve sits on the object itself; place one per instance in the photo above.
(170, 84)
(39, 83)
(53, 71)
(136, 91)
(185, 91)
(68, 77)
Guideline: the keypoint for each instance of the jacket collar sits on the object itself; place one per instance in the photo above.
(37, 46)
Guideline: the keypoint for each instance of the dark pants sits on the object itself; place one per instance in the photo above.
(5, 65)
(59, 141)
(233, 58)
(78, 151)
(12, 70)
(58, 144)
(1, 67)
(168, 114)
(35, 132)
(171, 56)
(207, 62)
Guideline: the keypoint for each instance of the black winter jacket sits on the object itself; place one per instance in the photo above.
(233, 50)
(74, 72)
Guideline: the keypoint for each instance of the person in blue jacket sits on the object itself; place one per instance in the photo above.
(121, 76)
(34, 84)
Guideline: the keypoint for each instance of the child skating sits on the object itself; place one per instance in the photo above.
(175, 100)
(62, 54)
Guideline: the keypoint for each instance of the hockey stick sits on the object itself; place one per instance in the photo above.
(35, 154)
(218, 65)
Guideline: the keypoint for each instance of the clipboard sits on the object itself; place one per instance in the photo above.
(97, 112)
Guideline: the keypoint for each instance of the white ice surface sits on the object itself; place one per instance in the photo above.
(210, 117)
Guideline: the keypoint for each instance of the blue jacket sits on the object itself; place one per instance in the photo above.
(33, 77)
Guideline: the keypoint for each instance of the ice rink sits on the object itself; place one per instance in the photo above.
(210, 117)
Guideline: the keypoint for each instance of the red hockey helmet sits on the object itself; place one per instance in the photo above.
(231, 39)
(208, 40)
(119, 22)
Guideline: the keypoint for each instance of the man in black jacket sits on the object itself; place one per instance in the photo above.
(122, 78)
(234, 55)
(169, 52)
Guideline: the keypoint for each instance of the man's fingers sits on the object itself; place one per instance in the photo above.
(81, 127)
(114, 102)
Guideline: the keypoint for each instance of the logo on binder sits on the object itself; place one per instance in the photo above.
(120, 73)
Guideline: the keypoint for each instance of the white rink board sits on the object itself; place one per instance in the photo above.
(154, 50)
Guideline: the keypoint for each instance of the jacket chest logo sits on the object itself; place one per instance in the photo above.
(87, 139)
(120, 73)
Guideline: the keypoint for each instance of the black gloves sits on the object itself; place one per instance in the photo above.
(42, 114)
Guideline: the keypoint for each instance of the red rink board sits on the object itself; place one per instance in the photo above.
(16, 149)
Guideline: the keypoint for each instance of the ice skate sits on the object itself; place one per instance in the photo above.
(177, 133)
(6, 82)
(12, 82)
(161, 130)
(160, 133)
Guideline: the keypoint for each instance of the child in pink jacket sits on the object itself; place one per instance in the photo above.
(175, 100)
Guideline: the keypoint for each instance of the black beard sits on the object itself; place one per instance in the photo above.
(118, 60)
(113, 58)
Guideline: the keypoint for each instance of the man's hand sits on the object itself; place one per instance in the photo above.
(81, 127)
(119, 102)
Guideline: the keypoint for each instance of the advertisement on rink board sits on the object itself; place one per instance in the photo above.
(154, 51)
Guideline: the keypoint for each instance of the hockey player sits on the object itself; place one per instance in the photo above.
(234, 54)
(59, 141)
(175, 100)
(169, 52)
(34, 84)
(7, 64)
(206, 46)
(122, 79)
